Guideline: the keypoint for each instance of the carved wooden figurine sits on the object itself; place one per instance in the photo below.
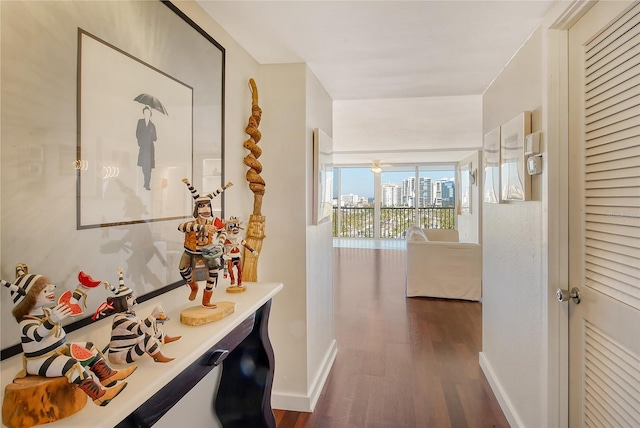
(47, 353)
(233, 253)
(79, 295)
(256, 229)
(203, 244)
(132, 337)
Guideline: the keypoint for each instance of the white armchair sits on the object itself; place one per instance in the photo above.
(440, 266)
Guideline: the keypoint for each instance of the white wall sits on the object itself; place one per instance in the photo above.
(468, 225)
(294, 253)
(283, 252)
(322, 345)
(514, 290)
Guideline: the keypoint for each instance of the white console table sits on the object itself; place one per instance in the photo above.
(242, 401)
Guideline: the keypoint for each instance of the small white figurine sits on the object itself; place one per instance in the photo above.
(232, 253)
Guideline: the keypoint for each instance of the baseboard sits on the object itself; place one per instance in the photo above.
(498, 391)
(323, 374)
(306, 403)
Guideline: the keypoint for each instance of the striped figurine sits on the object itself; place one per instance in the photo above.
(132, 337)
(203, 244)
(46, 351)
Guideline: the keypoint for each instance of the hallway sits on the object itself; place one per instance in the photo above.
(401, 362)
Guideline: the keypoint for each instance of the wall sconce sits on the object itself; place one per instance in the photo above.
(376, 168)
(81, 165)
(472, 176)
(110, 172)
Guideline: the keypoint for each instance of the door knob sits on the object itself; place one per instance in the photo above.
(565, 295)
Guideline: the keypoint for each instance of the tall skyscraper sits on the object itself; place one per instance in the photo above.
(425, 191)
(391, 195)
(448, 193)
(422, 195)
(408, 191)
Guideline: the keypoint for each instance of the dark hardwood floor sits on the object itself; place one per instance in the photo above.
(401, 362)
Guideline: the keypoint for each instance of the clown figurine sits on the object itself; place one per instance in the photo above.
(232, 253)
(46, 351)
(132, 337)
(203, 243)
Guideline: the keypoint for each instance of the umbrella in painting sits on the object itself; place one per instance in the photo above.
(152, 102)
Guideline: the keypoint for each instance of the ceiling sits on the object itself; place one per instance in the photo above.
(377, 57)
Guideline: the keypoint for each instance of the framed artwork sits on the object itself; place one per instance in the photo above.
(515, 182)
(134, 131)
(322, 177)
(74, 161)
(491, 164)
(465, 188)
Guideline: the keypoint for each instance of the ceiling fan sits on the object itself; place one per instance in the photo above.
(376, 166)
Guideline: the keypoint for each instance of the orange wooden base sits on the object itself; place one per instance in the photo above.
(35, 400)
(236, 289)
(198, 315)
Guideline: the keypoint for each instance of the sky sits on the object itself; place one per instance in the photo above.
(359, 181)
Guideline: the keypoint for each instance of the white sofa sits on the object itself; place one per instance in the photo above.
(440, 266)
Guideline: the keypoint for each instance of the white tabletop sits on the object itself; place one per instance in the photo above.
(151, 376)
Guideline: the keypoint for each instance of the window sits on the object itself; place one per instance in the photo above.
(385, 204)
(353, 206)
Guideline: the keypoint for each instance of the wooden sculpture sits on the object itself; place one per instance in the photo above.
(255, 231)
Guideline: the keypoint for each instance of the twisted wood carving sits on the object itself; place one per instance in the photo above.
(256, 183)
(255, 231)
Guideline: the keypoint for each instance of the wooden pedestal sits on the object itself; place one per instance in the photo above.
(36, 400)
(236, 289)
(198, 315)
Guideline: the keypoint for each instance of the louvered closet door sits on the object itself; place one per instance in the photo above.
(604, 216)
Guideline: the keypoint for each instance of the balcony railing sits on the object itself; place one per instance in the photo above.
(358, 222)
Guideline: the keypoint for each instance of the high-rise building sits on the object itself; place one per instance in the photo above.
(425, 193)
(391, 195)
(437, 193)
(408, 191)
(448, 193)
(349, 200)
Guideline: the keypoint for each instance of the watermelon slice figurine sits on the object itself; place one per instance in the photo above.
(72, 299)
(86, 280)
(68, 299)
(81, 354)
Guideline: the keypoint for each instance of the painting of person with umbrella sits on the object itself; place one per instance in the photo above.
(146, 135)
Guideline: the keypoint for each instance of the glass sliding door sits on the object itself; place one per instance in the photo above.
(384, 204)
(398, 198)
(354, 208)
(437, 201)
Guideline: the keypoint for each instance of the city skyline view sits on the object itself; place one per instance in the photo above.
(359, 181)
